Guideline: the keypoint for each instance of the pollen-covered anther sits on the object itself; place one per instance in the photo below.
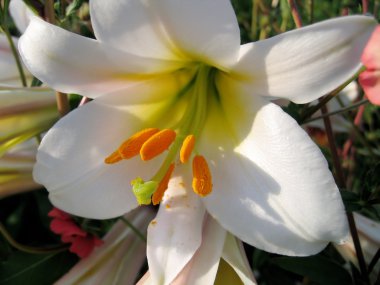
(157, 144)
(202, 180)
(187, 148)
(159, 194)
(131, 147)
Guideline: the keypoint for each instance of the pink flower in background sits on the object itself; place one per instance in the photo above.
(82, 243)
(370, 78)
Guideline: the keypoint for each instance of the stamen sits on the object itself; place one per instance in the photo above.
(202, 182)
(113, 158)
(187, 148)
(132, 146)
(159, 194)
(157, 144)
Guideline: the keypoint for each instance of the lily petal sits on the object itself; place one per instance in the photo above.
(21, 14)
(8, 68)
(202, 268)
(130, 25)
(67, 63)
(118, 260)
(212, 37)
(168, 30)
(70, 162)
(303, 64)
(273, 178)
(176, 233)
(234, 254)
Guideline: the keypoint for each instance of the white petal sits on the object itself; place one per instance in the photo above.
(8, 69)
(233, 253)
(306, 63)
(176, 233)
(130, 25)
(118, 261)
(273, 181)
(70, 162)
(368, 228)
(170, 29)
(21, 14)
(204, 29)
(74, 64)
(203, 267)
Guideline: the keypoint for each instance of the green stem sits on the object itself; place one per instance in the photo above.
(28, 249)
(345, 109)
(134, 229)
(255, 12)
(15, 55)
(310, 111)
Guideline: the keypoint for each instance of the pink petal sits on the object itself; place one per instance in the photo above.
(57, 213)
(66, 228)
(83, 246)
(370, 82)
(371, 56)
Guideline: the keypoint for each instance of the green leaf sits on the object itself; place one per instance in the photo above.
(317, 268)
(22, 268)
(352, 201)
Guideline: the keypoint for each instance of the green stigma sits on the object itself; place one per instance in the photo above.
(143, 190)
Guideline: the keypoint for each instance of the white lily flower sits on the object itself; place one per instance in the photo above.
(175, 66)
(9, 74)
(24, 113)
(16, 170)
(118, 261)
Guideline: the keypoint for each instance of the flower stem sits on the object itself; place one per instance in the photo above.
(29, 249)
(62, 100)
(348, 108)
(255, 13)
(339, 177)
(15, 55)
(295, 13)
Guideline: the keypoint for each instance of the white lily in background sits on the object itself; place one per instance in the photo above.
(24, 113)
(9, 73)
(21, 14)
(119, 260)
(162, 78)
(369, 236)
(16, 170)
(346, 97)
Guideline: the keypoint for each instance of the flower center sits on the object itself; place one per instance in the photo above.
(179, 142)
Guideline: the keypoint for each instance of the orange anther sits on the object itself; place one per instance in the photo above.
(187, 148)
(157, 144)
(202, 182)
(132, 146)
(159, 193)
(113, 158)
